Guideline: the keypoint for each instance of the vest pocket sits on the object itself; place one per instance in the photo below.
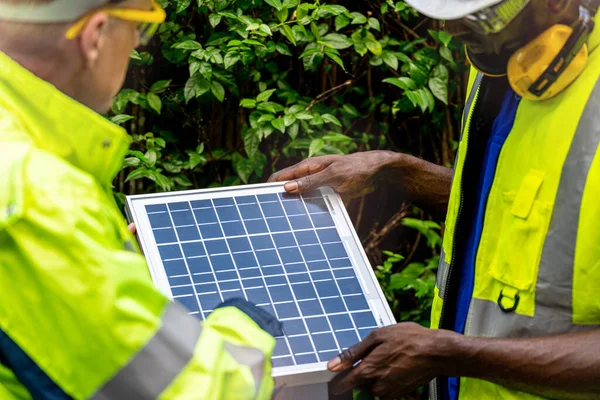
(524, 226)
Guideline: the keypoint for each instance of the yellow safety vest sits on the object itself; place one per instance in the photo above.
(537, 266)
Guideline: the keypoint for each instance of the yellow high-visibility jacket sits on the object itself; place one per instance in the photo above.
(79, 315)
(537, 266)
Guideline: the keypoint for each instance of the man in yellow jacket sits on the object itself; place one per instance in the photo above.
(516, 301)
(79, 315)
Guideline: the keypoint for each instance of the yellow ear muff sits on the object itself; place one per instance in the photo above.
(529, 63)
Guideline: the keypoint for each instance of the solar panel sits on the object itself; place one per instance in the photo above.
(297, 257)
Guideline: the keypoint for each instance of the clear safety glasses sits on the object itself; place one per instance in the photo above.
(148, 21)
(496, 18)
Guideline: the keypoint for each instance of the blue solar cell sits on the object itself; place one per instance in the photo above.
(328, 235)
(207, 277)
(300, 222)
(318, 265)
(201, 204)
(318, 324)
(262, 242)
(233, 294)
(258, 295)
(301, 344)
(160, 220)
(222, 262)
(325, 356)
(284, 240)
(322, 220)
(226, 275)
(182, 291)
(180, 281)
(188, 233)
(310, 307)
(267, 197)
(281, 347)
(224, 202)
(169, 252)
(189, 302)
(228, 214)
(267, 257)
(152, 208)
(324, 341)
(184, 205)
(249, 273)
(364, 319)
(341, 321)
(299, 278)
(341, 263)
(253, 283)
(274, 270)
(304, 291)
(255, 226)
(251, 211)
(344, 273)
(321, 275)
(294, 207)
(216, 246)
(233, 229)
(272, 209)
(206, 216)
(245, 199)
(333, 305)
(238, 245)
(276, 280)
(183, 218)
(211, 231)
(198, 265)
(163, 236)
(306, 359)
(306, 237)
(290, 255)
(316, 205)
(282, 362)
(209, 301)
(288, 196)
(312, 253)
(327, 289)
(335, 250)
(230, 285)
(206, 287)
(363, 333)
(245, 260)
(294, 327)
(281, 293)
(278, 224)
(193, 249)
(356, 303)
(349, 286)
(287, 310)
(295, 268)
(312, 194)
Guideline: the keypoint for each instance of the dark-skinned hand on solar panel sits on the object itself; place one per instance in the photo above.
(282, 252)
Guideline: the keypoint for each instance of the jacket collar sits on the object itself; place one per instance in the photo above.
(56, 123)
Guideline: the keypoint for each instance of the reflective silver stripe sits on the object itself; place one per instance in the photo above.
(153, 369)
(470, 100)
(251, 357)
(554, 288)
(442, 274)
(53, 11)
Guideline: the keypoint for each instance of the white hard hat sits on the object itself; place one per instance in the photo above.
(450, 9)
(48, 12)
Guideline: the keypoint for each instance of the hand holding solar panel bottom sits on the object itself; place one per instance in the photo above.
(394, 360)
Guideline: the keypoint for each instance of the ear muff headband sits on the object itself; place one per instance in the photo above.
(56, 11)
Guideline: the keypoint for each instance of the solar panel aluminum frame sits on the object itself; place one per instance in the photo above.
(289, 375)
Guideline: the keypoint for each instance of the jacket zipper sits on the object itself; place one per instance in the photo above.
(457, 231)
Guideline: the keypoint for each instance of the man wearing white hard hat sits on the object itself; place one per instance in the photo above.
(515, 313)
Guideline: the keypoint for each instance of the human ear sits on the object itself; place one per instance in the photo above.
(92, 38)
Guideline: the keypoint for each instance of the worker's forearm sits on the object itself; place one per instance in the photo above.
(424, 184)
(559, 367)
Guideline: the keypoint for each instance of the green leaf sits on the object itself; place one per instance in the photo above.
(214, 19)
(374, 47)
(330, 10)
(341, 21)
(121, 118)
(182, 5)
(441, 72)
(289, 119)
(155, 102)
(283, 48)
(337, 41)
(251, 142)
(315, 31)
(358, 18)
(282, 15)
(265, 28)
(231, 59)
(304, 115)
(160, 86)
(289, 34)
(445, 38)
(315, 147)
(439, 88)
(248, 103)
(274, 3)
(390, 59)
(243, 167)
(202, 85)
(135, 55)
(446, 54)
(187, 45)
(337, 137)
(403, 83)
(189, 91)
(279, 124)
(428, 98)
(373, 23)
(206, 70)
(264, 96)
(335, 58)
(218, 90)
(331, 119)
